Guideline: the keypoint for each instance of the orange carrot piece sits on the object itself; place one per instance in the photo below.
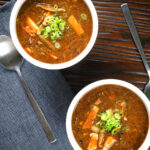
(133, 130)
(81, 123)
(85, 134)
(125, 118)
(110, 141)
(29, 50)
(53, 56)
(74, 1)
(98, 101)
(93, 141)
(32, 24)
(75, 25)
(90, 118)
(111, 94)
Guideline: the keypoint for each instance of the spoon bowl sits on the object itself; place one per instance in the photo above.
(9, 57)
(12, 60)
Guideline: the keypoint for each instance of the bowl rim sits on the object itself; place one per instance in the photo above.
(40, 64)
(94, 85)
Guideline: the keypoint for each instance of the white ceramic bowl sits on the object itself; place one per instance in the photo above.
(88, 88)
(67, 64)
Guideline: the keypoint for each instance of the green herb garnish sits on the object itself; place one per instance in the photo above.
(110, 121)
(83, 17)
(54, 28)
(57, 45)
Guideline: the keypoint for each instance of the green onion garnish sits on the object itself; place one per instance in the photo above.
(83, 17)
(110, 121)
(54, 28)
(56, 7)
(57, 45)
(48, 29)
(38, 32)
(45, 35)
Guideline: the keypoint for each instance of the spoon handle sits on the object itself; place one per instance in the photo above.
(135, 35)
(38, 111)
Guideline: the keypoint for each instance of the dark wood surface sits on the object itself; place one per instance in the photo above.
(114, 54)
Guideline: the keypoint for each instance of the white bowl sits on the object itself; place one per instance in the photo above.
(88, 88)
(67, 64)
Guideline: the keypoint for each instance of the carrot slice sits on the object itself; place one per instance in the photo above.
(90, 118)
(32, 24)
(111, 94)
(29, 50)
(93, 141)
(74, 1)
(98, 101)
(110, 141)
(125, 118)
(53, 56)
(75, 25)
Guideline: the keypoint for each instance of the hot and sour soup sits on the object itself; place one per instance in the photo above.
(56, 31)
(110, 117)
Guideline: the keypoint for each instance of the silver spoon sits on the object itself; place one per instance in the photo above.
(11, 60)
(137, 41)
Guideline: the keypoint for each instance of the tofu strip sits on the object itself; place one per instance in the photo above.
(110, 141)
(93, 141)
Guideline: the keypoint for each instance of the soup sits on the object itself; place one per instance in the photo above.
(54, 31)
(110, 117)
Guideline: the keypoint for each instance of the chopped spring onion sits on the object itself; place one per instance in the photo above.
(62, 26)
(57, 45)
(110, 121)
(54, 28)
(48, 29)
(45, 35)
(83, 17)
(56, 7)
(38, 32)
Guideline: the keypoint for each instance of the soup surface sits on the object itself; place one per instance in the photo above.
(54, 31)
(110, 117)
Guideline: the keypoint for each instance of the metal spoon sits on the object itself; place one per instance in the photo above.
(11, 60)
(138, 44)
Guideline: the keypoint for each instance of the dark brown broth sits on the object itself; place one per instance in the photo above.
(136, 114)
(66, 52)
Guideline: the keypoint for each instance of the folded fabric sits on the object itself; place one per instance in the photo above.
(19, 126)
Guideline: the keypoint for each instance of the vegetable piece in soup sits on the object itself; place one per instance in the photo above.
(55, 31)
(110, 117)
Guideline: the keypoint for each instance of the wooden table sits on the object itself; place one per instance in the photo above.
(114, 54)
